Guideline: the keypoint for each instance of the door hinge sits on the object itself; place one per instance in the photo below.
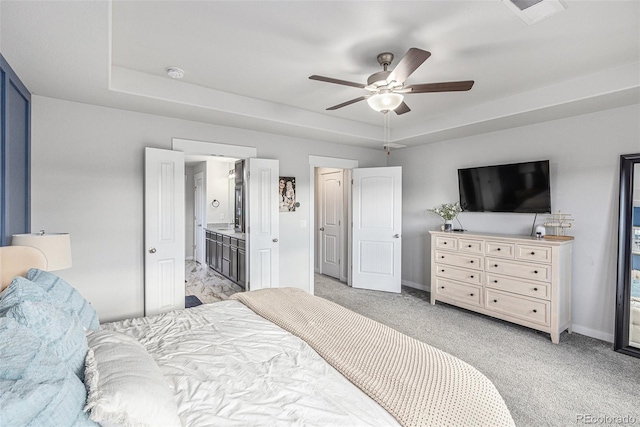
(338, 222)
(352, 182)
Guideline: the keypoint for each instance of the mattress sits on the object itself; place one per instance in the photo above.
(230, 367)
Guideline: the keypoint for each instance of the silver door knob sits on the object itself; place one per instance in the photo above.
(396, 236)
(321, 228)
(275, 240)
(152, 250)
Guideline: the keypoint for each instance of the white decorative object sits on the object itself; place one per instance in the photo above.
(541, 230)
(559, 223)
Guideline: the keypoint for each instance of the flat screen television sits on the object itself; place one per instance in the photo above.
(516, 187)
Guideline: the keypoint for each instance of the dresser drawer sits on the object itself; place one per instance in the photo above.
(469, 276)
(519, 269)
(517, 286)
(529, 309)
(475, 262)
(467, 294)
(533, 253)
(470, 246)
(500, 249)
(443, 242)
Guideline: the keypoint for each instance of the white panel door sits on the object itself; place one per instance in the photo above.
(331, 223)
(377, 224)
(164, 231)
(200, 218)
(262, 216)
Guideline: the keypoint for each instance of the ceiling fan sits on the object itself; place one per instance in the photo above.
(387, 87)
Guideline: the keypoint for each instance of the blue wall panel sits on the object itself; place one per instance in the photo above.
(15, 149)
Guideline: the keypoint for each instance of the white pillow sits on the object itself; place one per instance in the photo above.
(125, 385)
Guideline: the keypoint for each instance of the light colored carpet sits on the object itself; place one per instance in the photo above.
(579, 381)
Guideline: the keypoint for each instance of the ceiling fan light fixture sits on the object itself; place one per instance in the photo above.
(384, 102)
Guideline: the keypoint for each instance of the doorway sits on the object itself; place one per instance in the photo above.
(331, 223)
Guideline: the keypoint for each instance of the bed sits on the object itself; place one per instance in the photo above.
(276, 357)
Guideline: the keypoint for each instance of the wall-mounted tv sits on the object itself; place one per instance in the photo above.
(516, 187)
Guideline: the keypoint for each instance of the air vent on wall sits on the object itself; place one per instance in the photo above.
(532, 11)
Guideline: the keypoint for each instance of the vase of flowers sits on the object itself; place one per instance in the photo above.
(448, 212)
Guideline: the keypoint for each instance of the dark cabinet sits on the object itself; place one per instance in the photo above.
(242, 262)
(233, 271)
(227, 256)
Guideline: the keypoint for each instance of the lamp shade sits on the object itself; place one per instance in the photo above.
(56, 247)
(385, 101)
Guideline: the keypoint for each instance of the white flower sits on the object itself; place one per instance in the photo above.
(447, 211)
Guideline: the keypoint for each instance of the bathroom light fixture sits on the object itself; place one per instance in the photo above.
(175, 72)
(385, 101)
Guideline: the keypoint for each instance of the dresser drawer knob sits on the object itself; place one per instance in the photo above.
(535, 271)
(495, 265)
(535, 289)
(495, 300)
(471, 261)
(499, 249)
(442, 256)
(441, 287)
(469, 246)
(470, 295)
(444, 243)
(535, 311)
(495, 281)
(533, 253)
(442, 271)
(472, 277)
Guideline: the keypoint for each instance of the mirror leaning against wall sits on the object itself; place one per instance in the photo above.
(627, 328)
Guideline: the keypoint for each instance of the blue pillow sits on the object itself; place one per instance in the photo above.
(60, 330)
(20, 290)
(36, 387)
(66, 295)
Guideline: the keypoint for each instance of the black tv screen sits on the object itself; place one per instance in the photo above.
(517, 187)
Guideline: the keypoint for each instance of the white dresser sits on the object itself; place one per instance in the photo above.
(516, 278)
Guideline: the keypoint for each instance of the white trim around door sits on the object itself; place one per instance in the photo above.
(320, 162)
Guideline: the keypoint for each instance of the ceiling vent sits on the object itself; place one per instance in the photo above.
(532, 11)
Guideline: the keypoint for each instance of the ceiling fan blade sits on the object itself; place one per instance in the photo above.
(408, 64)
(441, 87)
(344, 104)
(402, 108)
(336, 81)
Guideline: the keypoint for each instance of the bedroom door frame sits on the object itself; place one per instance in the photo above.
(186, 146)
(200, 217)
(332, 222)
(326, 162)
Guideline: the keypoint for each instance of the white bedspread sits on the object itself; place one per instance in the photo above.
(230, 367)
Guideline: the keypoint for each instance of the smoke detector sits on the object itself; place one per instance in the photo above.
(532, 11)
(175, 72)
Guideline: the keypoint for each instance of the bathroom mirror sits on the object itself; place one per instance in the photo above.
(627, 327)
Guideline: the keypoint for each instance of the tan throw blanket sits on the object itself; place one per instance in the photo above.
(416, 383)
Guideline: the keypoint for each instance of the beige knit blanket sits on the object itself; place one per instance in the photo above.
(418, 384)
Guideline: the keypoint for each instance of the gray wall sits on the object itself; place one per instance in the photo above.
(584, 154)
(88, 177)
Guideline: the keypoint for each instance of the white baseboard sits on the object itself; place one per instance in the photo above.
(189, 258)
(415, 285)
(582, 330)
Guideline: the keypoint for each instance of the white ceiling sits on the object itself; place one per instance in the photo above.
(247, 63)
